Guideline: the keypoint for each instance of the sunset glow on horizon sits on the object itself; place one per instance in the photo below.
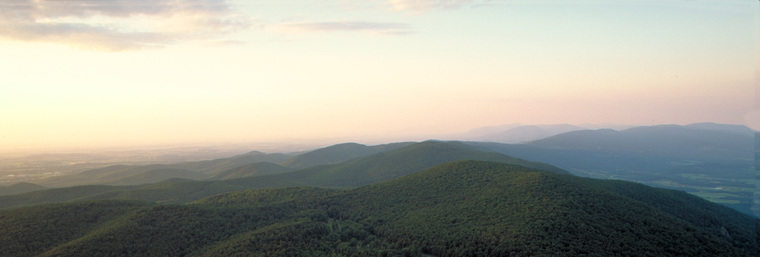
(75, 74)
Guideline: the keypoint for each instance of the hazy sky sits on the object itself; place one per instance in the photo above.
(138, 72)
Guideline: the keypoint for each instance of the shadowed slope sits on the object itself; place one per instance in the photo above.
(20, 188)
(250, 170)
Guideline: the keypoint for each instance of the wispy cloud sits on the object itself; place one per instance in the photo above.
(426, 5)
(117, 24)
(382, 28)
(414, 6)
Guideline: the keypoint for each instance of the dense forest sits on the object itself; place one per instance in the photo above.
(712, 161)
(462, 208)
(432, 198)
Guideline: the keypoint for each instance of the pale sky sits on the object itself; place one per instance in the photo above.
(86, 73)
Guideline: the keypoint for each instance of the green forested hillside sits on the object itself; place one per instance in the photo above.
(170, 191)
(54, 195)
(31, 231)
(712, 161)
(19, 188)
(329, 155)
(249, 164)
(508, 209)
(250, 170)
(384, 166)
(465, 208)
(338, 153)
(157, 175)
(356, 172)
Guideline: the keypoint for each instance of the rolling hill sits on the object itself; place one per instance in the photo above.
(536, 213)
(20, 188)
(250, 170)
(464, 208)
(249, 164)
(144, 174)
(713, 161)
(353, 173)
(693, 141)
(383, 166)
(329, 155)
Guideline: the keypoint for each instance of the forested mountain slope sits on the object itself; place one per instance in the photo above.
(503, 208)
(384, 166)
(250, 170)
(20, 188)
(353, 173)
(713, 161)
(337, 153)
(465, 208)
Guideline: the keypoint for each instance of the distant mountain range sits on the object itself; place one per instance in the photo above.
(250, 164)
(432, 198)
(461, 208)
(714, 161)
(520, 133)
(692, 141)
(395, 162)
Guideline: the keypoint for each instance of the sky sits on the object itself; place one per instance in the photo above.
(107, 73)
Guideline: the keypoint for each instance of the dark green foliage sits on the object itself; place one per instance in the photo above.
(250, 170)
(157, 175)
(308, 238)
(55, 195)
(34, 230)
(171, 191)
(503, 209)
(265, 196)
(465, 208)
(177, 191)
(715, 219)
(213, 167)
(338, 153)
(329, 155)
(383, 166)
(167, 230)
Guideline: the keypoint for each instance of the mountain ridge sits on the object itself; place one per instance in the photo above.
(356, 172)
(462, 208)
(715, 163)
